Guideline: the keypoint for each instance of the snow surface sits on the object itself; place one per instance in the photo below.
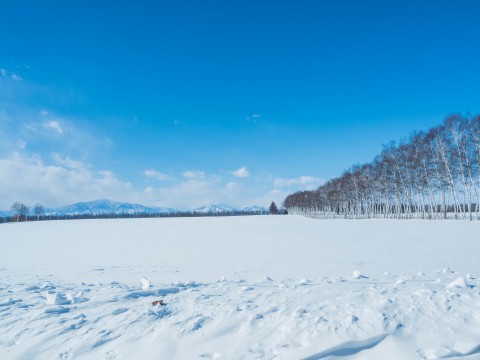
(254, 287)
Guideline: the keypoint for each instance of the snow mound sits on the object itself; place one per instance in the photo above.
(465, 347)
(145, 283)
(458, 283)
(358, 275)
(54, 298)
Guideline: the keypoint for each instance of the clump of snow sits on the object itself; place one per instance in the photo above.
(458, 283)
(158, 312)
(447, 270)
(358, 275)
(54, 298)
(433, 354)
(47, 285)
(145, 283)
(351, 319)
(78, 298)
(465, 347)
(303, 281)
(214, 355)
(300, 311)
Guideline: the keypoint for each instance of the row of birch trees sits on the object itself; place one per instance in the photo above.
(430, 175)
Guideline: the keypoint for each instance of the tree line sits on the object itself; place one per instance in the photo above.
(430, 175)
(22, 212)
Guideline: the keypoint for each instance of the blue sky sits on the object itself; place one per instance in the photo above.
(183, 103)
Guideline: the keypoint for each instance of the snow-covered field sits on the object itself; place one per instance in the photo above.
(256, 287)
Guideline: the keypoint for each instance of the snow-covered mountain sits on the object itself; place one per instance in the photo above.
(220, 208)
(214, 209)
(105, 206)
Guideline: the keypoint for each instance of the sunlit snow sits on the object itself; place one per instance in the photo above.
(254, 287)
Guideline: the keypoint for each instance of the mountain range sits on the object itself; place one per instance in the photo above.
(105, 206)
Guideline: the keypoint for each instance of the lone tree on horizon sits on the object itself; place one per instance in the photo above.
(273, 209)
(21, 210)
(38, 210)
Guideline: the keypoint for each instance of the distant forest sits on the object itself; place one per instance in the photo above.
(18, 217)
(430, 175)
(22, 212)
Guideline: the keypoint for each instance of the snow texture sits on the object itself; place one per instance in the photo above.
(254, 287)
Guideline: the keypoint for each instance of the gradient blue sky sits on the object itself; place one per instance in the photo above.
(183, 103)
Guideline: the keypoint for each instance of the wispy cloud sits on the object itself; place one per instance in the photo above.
(194, 174)
(192, 193)
(254, 118)
(8, 74)
(28, 113)
(241, 173)
(53, 125)
(156, 175)
(67, 162)
(22, 144)
(301, 182)
(46, 132)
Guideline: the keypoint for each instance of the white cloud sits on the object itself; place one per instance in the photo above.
(254, 118)
(231, 185)
(302, 182)
(30, 180)
(182, 195)
(22, 144)
(5, 73)
(242, 172)
(193, 193)
(194, 174)
(67, 162)
(45, 128)
(53, 125)
(156, 175)
(277, 195)
(62, 181)
(42, 129)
